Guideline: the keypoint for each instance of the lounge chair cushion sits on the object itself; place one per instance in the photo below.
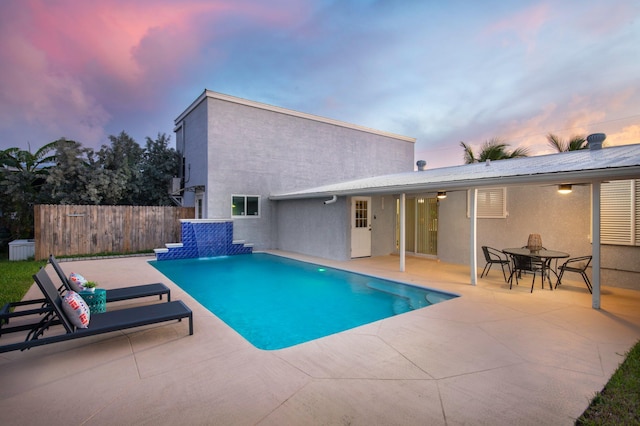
(76, 281)
(76, 309)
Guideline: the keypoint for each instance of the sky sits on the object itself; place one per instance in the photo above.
(438, 71)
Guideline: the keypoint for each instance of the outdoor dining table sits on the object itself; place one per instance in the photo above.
(545, 257)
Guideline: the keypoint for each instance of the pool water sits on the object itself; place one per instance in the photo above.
(276, 302)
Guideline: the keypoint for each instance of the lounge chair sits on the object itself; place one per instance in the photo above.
(8, 311)
(117, 294)
(6, 314)
(99, 323)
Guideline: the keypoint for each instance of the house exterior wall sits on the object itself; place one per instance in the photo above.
(383, 225)
(251, 150)
(563, 222)
(191, 143)
(621, 266)
(312, 228)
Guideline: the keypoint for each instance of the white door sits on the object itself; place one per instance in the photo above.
(360, 226)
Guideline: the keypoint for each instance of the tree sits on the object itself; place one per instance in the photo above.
(577, 142)
(159, 165)
(22, 175)
(77, 177)
(493, 149)
(122, 165)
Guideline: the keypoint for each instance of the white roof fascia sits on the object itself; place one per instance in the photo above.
(622, 162)
(228, 98)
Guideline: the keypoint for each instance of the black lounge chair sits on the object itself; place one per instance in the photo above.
(112, 295)
(118, 294)
(99, 323)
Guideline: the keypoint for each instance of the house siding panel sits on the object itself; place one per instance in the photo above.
(258, 151)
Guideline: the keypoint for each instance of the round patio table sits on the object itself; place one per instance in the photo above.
(545, 256)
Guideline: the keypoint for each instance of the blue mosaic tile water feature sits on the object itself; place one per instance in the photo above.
(205, 239)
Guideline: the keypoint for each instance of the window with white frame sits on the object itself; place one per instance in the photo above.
(245, 206)
(620, 212)
(491, 203)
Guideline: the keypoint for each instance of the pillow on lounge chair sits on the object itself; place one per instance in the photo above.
(76, 309)
(76, 281)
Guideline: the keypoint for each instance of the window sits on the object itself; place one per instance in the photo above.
(620, 212)
(245, 206)
(492, 203)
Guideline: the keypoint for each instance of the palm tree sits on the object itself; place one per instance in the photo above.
(576, 143)
(22, 174)
(493, 149)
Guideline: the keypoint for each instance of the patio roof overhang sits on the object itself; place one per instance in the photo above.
(575, 167)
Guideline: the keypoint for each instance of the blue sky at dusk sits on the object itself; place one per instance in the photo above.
(439, 71)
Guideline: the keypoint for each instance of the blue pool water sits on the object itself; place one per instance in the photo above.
(275, 302)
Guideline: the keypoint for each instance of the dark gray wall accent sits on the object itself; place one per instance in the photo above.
(192, 144)
(313, 228)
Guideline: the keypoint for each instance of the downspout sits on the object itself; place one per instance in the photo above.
(331, 200)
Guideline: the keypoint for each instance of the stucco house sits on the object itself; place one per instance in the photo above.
(312, 185)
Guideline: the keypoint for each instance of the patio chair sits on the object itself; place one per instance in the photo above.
(578, 265)
(117, 294)
(524, 264)
(106, 322)
(493, 256)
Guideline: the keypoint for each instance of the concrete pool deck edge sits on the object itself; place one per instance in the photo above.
(492, 356)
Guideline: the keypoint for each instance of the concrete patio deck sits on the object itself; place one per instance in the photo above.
(493, 356)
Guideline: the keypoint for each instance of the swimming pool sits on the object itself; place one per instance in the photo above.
(276, 302)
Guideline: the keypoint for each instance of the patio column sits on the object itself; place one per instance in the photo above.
(403, 199)
(473, 261)
(595, 244)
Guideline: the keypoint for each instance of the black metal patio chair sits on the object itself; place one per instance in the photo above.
(525, 264)
(578, 265)
(495, 256)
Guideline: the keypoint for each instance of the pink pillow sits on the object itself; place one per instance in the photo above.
(76, 309)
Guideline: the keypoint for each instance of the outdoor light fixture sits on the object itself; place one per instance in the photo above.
(442, 195)
(565, 188)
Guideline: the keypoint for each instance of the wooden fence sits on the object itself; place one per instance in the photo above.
(67, 230)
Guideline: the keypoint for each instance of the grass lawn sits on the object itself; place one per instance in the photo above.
(617, 404)
(16, 278)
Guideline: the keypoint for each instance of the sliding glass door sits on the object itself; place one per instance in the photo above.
(421, 224)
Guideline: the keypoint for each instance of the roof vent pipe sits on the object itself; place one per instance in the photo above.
(595, 140)
(332, 200)
(422, 165)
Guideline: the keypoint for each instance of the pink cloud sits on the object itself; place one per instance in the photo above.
(522, 26)
(73, 62)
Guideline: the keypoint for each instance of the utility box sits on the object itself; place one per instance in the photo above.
(22, 249)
